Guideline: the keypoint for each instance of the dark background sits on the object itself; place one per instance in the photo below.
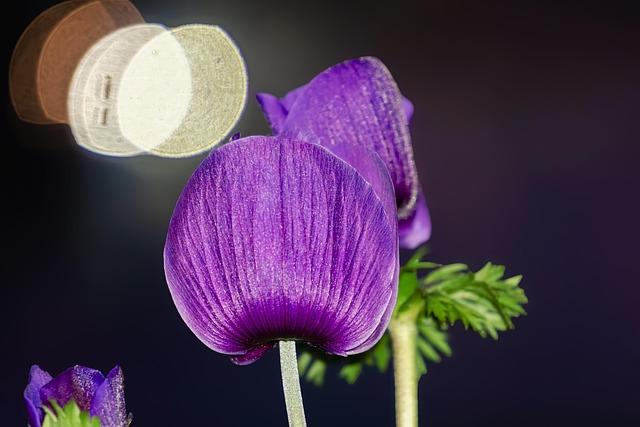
(526, 140)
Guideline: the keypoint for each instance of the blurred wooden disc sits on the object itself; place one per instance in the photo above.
(50, 49)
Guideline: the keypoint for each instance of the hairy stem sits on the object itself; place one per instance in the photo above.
(404, 333)
(291, 384)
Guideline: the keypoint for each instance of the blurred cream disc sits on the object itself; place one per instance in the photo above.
(169, 93)
(155, 92)
(85, 90)
(159, 92)
(219, 82)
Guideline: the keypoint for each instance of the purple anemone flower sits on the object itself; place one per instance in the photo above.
(357, 103)
(94, 393)
(278, 239)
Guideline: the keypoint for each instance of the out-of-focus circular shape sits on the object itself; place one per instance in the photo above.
(94, 117)
(155, 92)
(51, 47)
(219, 81)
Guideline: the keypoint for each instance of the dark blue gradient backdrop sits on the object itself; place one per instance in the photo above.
(526, 139)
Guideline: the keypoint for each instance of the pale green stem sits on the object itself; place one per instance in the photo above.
(291, 384)
(404, 333)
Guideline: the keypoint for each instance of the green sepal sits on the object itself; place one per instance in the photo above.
(69, 416)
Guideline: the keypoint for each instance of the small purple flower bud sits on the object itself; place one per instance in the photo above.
(100, 396)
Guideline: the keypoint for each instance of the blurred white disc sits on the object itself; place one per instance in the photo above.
(93, 113)
(169, 93)
(155, 92)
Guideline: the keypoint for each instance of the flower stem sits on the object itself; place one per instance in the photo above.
(291, 384)
(404, 333)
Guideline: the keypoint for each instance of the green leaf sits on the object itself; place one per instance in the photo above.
(407, 286)
(483, 301)
(444, 272)
(421, 366)
(431, 343)
(416, 258)
(428, 351)
(440, 296)
(434, 335)
(69, 416)
(304, 360)
(315, 374)
(350, 372)
(381, 353)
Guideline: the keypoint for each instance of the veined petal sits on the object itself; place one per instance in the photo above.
(274, 239)
(277, 109)
(373, 170)
(77, 383)
(37, 379)
(108, 402)
(357, 102)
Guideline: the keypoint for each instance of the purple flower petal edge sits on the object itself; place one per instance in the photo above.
(276, 109)
(416, 229)
(408, 109)
(274, 239)
(108, 402)
(37, 379)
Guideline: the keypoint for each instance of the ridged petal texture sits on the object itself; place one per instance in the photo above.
(100, 396)
(357, 103)
(77, 383)
(274, 239)
(108, 401)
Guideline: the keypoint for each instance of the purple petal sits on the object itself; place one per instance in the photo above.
(416, 229)
(273, 110)
(276, 109)
(280, 239)
(408, 109)
(77, 383)
(372, 169)
(37, 379)
(291, 97)
(252, 355)
(357, 102)
(330, 96)
(108, 402)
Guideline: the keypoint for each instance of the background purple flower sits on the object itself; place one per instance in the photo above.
(278, 239)
(93, 392)
(357, 103)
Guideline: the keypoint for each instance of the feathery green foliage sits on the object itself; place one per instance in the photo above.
(483, 301)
